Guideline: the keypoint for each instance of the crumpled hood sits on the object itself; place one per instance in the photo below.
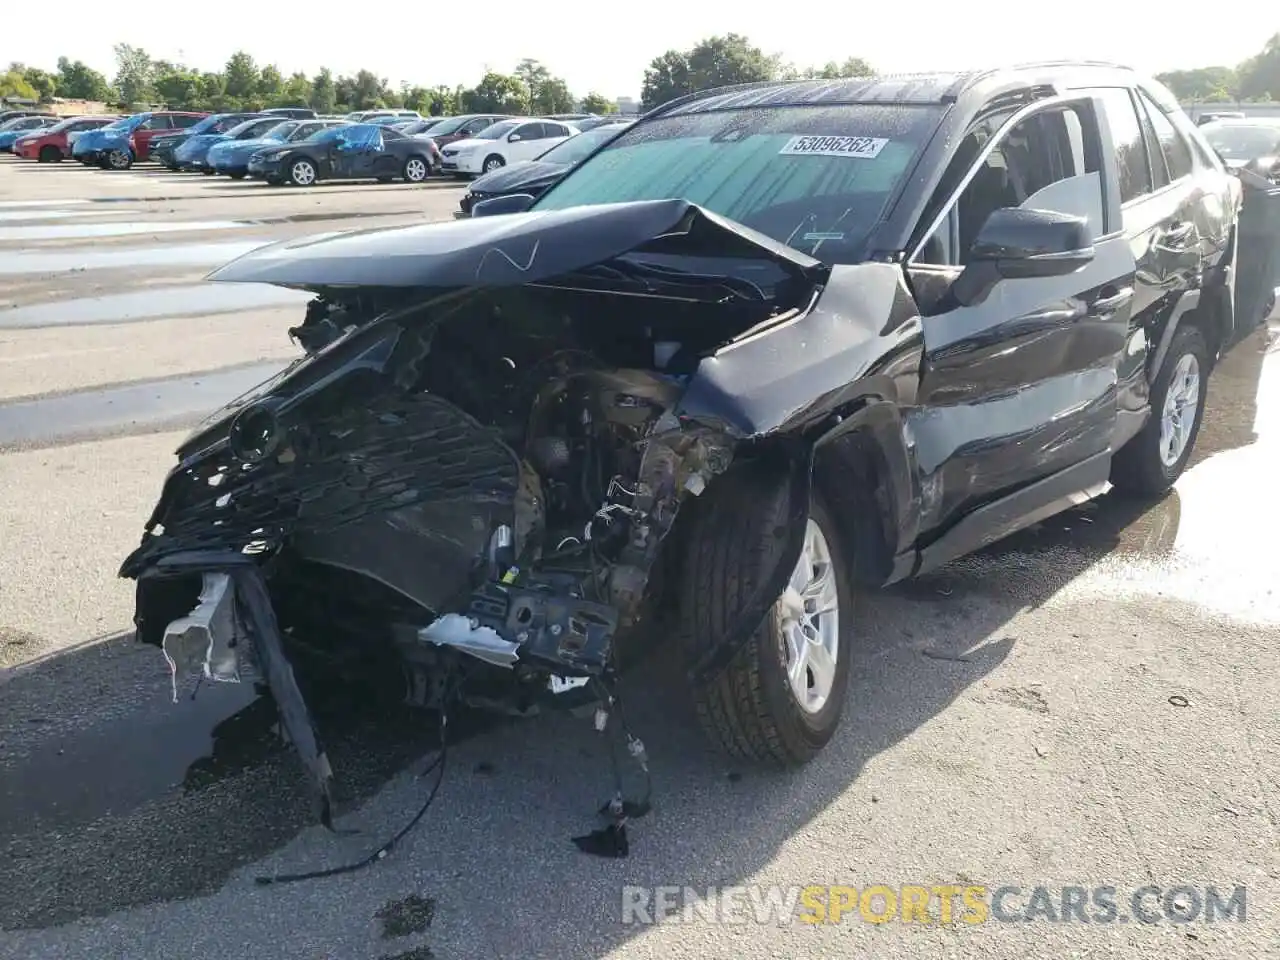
(505, 250)
(511, 179)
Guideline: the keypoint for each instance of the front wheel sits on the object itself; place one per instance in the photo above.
(780, 700)
(302, 173)
(1150, 463)
(119, 160)
(492, 163)
(50, 154)
(415, 170)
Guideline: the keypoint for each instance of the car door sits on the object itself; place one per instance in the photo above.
(391, 154)
(353, 154)
(1017, 393)
(523, 143)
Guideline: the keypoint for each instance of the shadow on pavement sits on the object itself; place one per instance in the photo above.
(114, 797)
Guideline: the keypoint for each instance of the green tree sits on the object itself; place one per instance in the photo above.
(443, 100)
(666, 78)
(553, 96)
(720, 61)
(270, 83)
(175, 85)
(1259, 76)
(1203, 83)
(598, 103)
(296, 92)
(14, 84)
(241, 76)
(533, 74)
(77, 81)
(324, 98)
(45, 84)
(133, 74)
(416, 98)
(497, 93)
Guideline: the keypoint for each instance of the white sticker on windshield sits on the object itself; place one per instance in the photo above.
(863, 148)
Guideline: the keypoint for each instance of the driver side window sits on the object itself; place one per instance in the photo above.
(1024, 168)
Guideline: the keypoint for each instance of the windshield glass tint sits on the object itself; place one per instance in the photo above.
(281, 131)
(577, 147)
(500, 129)
(815, 178)
(1241, 142)
(446, 127)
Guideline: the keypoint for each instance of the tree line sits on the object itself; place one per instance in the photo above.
(243, 84)
(1257, 79)
(530, 88)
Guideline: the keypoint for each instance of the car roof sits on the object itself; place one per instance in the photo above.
(906, 88)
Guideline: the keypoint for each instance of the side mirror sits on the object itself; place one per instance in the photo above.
(1016, 244)
(514, 138)
(511, 203)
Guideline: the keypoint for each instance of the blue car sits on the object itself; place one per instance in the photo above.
(231, 157)
(165, 145)
(192, 153)
(11, 130)
(109, 145)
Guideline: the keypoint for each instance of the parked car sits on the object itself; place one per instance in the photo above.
(163, 147)
(292, 113)
(231, 157)
(380, 116)
(463, 127)
(52, 144)
(570, 117)
(590, 123)
(1219, 115)
(7, 115)
(413, 128)
(761, 347)
(502, 143)
(532, 177)
(1251, 149)
(114, 146)
(361, 151)
(11, 130)
(157, 125)
(1242, 142)
(192, 154)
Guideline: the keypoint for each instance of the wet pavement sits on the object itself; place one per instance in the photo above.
(1089, 702)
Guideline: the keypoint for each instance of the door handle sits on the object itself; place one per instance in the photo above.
(1113, 301)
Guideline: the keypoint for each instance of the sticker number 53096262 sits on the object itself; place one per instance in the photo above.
(863, 148)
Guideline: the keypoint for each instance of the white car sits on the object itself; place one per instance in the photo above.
(503, 143)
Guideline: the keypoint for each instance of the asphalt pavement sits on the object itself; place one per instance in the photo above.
(1090, 703)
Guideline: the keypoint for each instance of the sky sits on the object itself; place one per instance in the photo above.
(605, 47)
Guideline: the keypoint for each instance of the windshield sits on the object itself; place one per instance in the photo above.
(354, 115)
(815, 177)
(280, 132)
(248, 126)
(1241, 142)
(496, 130)
(576, 147)
(448, 126)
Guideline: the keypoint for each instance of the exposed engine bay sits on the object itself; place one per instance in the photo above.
(475, 482)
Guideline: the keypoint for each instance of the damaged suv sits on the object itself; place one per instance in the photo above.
(767, 344)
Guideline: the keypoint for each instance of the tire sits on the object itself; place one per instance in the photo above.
(118, 160)
(491, 163)
(49, 154)
(1143, 467)
(416, 169)
(207, 172)
(301, 173)
(236, 176)
(751, 708)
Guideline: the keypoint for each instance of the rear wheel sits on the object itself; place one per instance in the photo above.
(780, 699)
(1150, 463)
(302, 172)
(415, 170)
(50, 154)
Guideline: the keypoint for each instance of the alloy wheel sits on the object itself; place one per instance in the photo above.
(810, 608)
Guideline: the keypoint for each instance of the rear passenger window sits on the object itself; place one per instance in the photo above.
(1176, 153)
(1129, 144)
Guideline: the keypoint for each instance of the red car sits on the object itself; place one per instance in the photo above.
(50, 144)
(164, 121)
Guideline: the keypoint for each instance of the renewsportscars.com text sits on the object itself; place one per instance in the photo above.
(935, 903)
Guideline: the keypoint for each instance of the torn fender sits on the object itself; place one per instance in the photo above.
(508, 250)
